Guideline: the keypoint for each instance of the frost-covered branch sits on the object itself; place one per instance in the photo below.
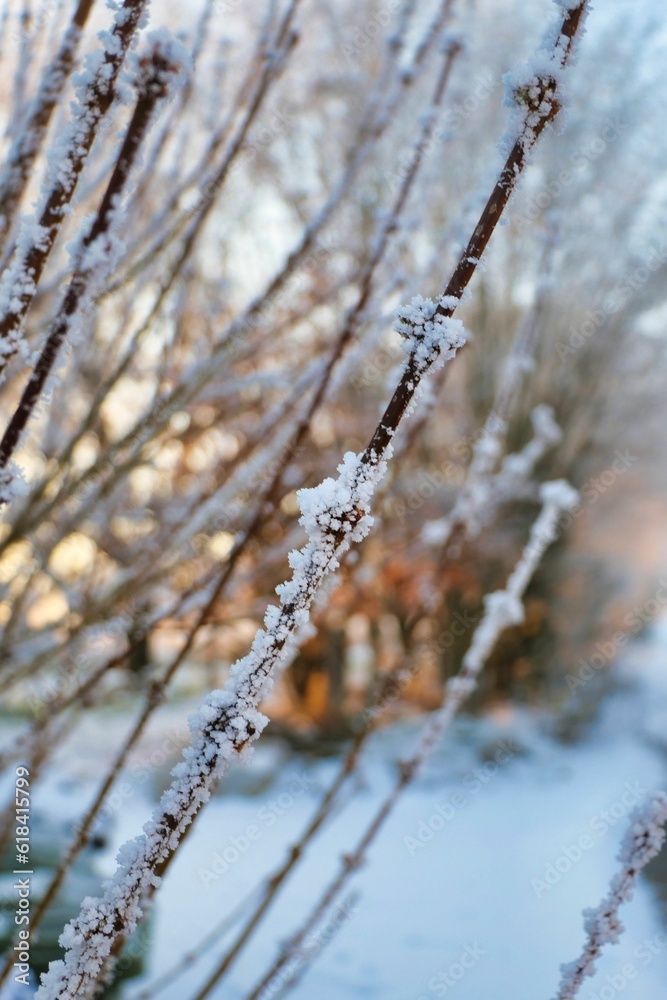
(537, 97)
(295, 853)
(477, 493)
(267, 501)
(334, 515)
(487, 486)
(96, 90)
(642, 842)
(273, 65)
(27, 146)
(503, 608)
(484, 490)
(382, 108)
(99, 249)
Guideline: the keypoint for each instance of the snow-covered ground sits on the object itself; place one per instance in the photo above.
(494, 865)
(474, 888)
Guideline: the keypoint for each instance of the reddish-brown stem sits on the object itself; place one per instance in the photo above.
(27, 267)
(152, 88)
(26, 149)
